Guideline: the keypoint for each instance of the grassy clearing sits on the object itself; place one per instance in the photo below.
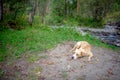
(14, 43)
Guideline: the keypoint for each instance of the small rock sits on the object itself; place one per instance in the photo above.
(38, 73)
(68, 67)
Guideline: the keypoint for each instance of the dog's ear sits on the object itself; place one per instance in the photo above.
(78, 46)
(82, 53)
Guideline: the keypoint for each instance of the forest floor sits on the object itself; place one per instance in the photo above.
(56, 64)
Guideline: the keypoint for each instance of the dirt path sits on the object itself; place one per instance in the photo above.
(56, 64)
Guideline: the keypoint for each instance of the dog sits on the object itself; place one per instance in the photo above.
(81, 49)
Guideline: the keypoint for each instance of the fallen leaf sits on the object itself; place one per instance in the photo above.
(74, 70)
(41, 78)
(83, 61)
(90, 62)
(57, 56)
(66, 54)
(38, 73)
(110, 71)
(48, 62)
(82, 66)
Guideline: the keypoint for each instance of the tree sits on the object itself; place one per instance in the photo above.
(78, 7)
(1, 10)
(100, 8)
(66, 10)
(47, 7)
(32, 12)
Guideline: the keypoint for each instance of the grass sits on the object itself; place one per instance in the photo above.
(32, 57)
(45, 56)
(35, 73)
(14, 43)
(64, 75)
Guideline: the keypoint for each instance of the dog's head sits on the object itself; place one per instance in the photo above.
(77, 53)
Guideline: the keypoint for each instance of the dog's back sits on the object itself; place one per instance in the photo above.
(82, 44)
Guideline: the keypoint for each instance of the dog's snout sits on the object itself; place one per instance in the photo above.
(72, 57)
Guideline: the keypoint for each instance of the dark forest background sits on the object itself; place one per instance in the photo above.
(94, 13)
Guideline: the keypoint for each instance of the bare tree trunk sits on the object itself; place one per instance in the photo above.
(1, 10)
(32, 13)
(37, 7)
(46, 11)
(47, 7)
(78, 7)
(66, 8)
(31, 16)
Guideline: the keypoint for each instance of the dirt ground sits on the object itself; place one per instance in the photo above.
(56, 64)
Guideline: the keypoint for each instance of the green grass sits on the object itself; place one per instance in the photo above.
(35, 73)
(64, 75)
(45, 56)
(14, 43)
(32, 57)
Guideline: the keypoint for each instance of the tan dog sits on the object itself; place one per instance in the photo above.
(81, 49)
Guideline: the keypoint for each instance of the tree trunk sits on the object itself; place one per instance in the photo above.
(78, 7)
(32, 13)
(46, 11)
(31, 16)
(38, 7)
(65, 8)
(47, 7)
(1, 10)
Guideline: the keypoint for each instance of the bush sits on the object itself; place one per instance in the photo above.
(71, 21)
(112, 17)
(89, 22)
(53, 19)
(19, 23)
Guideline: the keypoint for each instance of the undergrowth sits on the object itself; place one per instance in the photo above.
(82, 21)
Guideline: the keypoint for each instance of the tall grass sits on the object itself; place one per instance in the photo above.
(14, 43)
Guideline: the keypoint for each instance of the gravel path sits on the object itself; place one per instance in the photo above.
(56, 64)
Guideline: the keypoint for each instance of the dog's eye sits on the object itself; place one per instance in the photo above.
(77, 54)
